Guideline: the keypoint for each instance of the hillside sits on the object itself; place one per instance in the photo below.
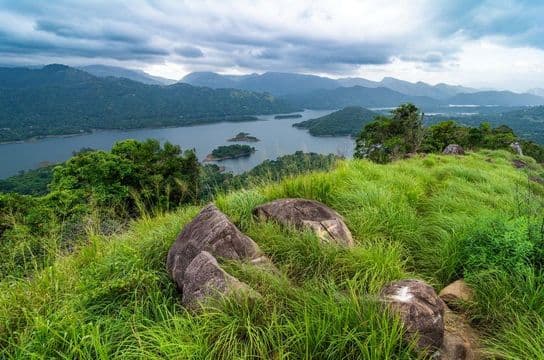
(62, 100)
(357, 96)
(120, 72)
(434, 217)
(348, 121)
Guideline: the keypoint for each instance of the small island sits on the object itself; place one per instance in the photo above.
(288, 116)
(230, 152)
(243, 137)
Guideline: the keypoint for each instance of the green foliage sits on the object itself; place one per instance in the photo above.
(231, 151)
(30, 182)
(132, 175)
(390, 138)
(347, 121)
(386, 139)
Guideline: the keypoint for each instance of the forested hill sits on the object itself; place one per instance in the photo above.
(347, 121)
(58, 99)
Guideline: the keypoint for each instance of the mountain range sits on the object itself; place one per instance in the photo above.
(120, 72)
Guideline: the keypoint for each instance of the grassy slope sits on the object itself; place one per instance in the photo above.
(112, 297)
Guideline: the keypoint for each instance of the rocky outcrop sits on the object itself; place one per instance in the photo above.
(420, 309)
(516, 148)
(208, 236)
(519, 164)
(301, 213)
(456, 293)
(204, 279)
(454, 149)
(460, 340)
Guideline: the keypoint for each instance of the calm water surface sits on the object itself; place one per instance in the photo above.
(278, 137)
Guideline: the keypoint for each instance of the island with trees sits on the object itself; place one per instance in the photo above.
(288, 116)
(225, 152)
(243, 137)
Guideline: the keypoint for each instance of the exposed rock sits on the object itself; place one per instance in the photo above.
(456, 293)
(454, 149)
(516, 147)
(204, 279)
(303, 213)
(213, 232)
(519, 164)
(420, 309)
(460, 340)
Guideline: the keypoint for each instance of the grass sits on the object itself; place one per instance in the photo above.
(111, 297)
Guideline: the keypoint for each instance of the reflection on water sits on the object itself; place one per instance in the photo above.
(277, 136)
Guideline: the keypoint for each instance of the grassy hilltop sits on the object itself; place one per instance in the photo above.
(433, 217)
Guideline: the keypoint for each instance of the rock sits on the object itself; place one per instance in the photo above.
(302, 213)
(205, 279)
(519, 164)
(516, 147)
(420, 309)
(213, 232)
(456, 293)
(460, 340)
(454, 149)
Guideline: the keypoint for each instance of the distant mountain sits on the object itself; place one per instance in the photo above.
(58, 99)
(276, 83)
(439, 91)
(348, 121)
(358, 96)
(536, 91)
(495, 98)
(291, 83)
(119, 72)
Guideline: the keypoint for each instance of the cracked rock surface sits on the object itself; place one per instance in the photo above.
(328, 225)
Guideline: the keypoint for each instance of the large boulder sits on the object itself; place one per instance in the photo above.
(456, 293)
(302, 213)
(420, 309)
(205, 279)
(454, 149)
(210, 231)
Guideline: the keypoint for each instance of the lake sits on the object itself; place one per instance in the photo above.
(278, 137)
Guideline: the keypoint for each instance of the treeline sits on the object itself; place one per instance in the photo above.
(392, 137)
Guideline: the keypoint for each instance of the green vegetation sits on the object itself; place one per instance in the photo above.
(60, 100)
(433, 217)
(30, 182)
(389, 138)
(347, 121)
(243, 136)
(230, 152)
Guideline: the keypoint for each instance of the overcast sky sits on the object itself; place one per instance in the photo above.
(495, 44)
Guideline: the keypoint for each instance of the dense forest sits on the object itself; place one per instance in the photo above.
(230, 152)
(62, 100)
(347, 121)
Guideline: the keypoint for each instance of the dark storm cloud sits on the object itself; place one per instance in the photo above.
(189, 52)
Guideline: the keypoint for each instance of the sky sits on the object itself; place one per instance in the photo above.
(495, 44)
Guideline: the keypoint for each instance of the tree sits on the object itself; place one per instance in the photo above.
(388, 138)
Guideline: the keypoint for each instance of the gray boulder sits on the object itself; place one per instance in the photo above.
(205, 279)
(516, 148)
(456, 293)
(420, 309)
(210, 231)
(302, 213)
(454, 149)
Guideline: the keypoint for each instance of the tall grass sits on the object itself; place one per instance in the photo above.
(110, 297)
